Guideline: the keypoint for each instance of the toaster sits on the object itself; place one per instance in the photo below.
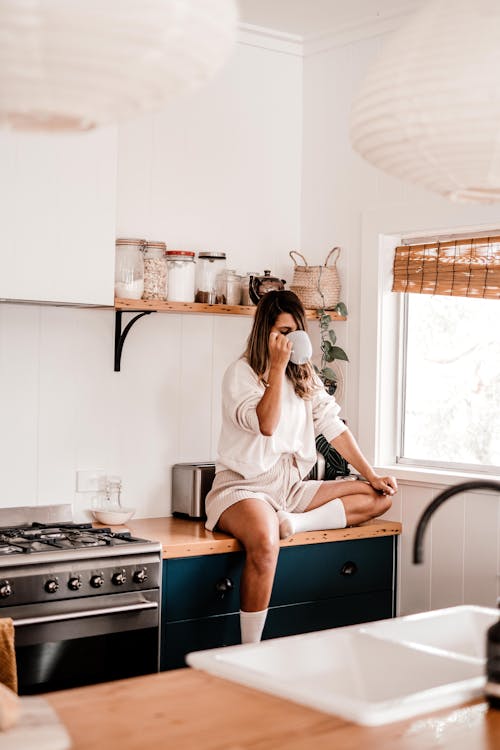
(191, 483)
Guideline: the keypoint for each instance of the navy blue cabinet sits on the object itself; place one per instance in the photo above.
(317, 586)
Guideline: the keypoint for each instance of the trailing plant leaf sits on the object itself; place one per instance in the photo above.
(327, 349)
(329, 352)
(341, 309)
(339, 353)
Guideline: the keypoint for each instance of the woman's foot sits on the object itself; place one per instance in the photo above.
(331, 515)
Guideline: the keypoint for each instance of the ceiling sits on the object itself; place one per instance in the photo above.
(312, 17)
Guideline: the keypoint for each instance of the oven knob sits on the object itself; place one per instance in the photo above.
(51, 586)
(96, 582)
(5, 589)
(140, 576)
(119, 578)
(75, 583)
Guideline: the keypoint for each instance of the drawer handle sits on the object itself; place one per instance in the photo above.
(223, 587)
(349, 568)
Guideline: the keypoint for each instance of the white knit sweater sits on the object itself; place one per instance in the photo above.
(242, 446)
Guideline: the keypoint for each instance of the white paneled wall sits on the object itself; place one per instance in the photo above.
(460, 552)
(63, 407)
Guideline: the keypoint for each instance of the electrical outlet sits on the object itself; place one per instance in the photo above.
(90, 481)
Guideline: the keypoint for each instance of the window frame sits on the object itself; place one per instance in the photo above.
(381, 333)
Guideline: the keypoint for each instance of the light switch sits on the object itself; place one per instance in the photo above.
(92, 480)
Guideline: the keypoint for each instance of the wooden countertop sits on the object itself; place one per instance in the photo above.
(189, 710)
(186, 538)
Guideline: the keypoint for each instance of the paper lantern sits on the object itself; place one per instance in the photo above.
(75, 64)
(429, 109)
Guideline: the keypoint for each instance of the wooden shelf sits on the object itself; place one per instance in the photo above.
(140, 305)
(143, 307)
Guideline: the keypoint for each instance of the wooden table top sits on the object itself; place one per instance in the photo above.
(181, 537)
(189, 710)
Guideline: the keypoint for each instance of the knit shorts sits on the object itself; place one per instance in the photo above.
(281, 487)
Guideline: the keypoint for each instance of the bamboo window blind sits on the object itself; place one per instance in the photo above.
(462, 268)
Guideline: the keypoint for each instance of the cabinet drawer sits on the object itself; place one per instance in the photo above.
(322, 571)
(328, 613)
(179, 638)
(194, 586)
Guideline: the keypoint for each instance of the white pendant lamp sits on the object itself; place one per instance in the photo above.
(75, 64)
(429, 109)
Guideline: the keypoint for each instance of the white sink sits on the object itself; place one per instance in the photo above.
(371, 674)
(455, 630)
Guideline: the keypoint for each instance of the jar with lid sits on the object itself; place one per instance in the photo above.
(208, 267)
(155, 271)
(228, 287)
(180, 275)
(129, 268)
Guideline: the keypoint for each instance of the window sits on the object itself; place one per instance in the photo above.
(450, 411)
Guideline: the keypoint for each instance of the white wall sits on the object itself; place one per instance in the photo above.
(345, 201)
(219, 170)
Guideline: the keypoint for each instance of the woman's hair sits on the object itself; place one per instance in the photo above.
(270, 307)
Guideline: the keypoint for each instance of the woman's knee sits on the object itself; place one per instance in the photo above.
(377, 504)
(385, 504)
(372, 503)
(262, 548)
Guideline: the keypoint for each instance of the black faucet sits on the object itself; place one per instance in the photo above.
(477, 484)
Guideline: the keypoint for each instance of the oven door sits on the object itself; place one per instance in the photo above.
(80, 642)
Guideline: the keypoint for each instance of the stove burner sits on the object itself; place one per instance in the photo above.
(8, 549)
(40, 537)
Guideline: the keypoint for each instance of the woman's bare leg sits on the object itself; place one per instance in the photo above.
(255, 525)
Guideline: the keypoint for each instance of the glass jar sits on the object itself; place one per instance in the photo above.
(228, 287)
(245, 287)
(129, 268)
(180, 275)
(208, 267)
(155, 271)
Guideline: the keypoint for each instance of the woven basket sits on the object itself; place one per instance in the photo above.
(317, 286)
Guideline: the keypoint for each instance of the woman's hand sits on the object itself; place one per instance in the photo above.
(280, 348)
(269, 407)
(386, 485)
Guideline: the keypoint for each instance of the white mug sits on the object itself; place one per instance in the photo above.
(302, 347)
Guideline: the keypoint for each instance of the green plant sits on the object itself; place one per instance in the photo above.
(329, 351)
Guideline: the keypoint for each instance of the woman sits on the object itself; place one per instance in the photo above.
(272, 410)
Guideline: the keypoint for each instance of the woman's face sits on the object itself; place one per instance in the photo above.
(285, 323)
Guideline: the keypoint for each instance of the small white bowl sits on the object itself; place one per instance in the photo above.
(113, 517)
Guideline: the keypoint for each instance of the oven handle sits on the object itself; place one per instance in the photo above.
(85, 613)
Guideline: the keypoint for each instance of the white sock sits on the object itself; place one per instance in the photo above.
(252, 625)
(328, 516)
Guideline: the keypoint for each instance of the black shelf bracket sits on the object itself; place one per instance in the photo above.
(120, 335)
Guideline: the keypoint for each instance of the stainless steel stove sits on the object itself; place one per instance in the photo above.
(85, 603)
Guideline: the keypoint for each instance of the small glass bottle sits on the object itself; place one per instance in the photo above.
(113, 493)
(208, 267)
(155, 271)
(180, 275)
(129, 268)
